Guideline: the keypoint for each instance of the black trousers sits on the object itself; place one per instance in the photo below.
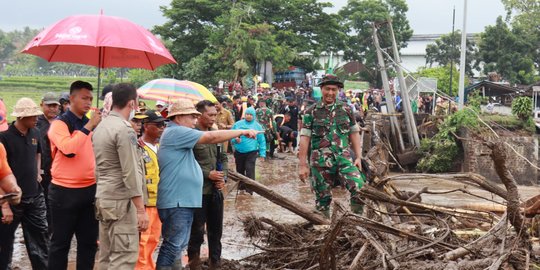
(210, 214)
(72, 212)
(45, 183)
(31, 212)
(273, 147)
(245, 165)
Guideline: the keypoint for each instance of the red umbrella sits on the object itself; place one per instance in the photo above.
(101, 41)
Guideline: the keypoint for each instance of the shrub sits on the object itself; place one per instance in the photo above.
(439, 152)
(522, 108)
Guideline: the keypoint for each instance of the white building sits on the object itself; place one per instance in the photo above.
(413, 56)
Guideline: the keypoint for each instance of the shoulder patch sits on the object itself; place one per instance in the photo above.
(133, 138)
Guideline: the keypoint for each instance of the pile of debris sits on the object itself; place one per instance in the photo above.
(397, 230)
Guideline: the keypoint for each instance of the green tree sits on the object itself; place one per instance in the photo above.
(302, 24)
(526, 19)
(235, 35)
(358, 18)
(447, 48)
(189, 25)
(138, 77)
(508, 52)
(442, 74)
(6, 47)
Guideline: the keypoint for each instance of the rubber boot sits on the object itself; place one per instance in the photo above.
(357, 208)
(195, 263)
(214, 265)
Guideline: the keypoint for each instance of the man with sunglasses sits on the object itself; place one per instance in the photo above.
(153, 125)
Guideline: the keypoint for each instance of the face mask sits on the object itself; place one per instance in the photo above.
(131, 114)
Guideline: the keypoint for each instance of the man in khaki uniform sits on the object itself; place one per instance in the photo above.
(224, 118)
(119, 195)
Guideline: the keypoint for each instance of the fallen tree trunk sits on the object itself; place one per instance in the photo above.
(376, 195)
(472, 178)
(498, 154)
(278, 199)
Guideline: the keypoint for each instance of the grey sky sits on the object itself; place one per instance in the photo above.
(425, 16)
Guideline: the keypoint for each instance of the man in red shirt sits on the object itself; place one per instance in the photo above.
(73, 186)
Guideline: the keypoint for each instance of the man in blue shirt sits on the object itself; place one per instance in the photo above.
(181, 179)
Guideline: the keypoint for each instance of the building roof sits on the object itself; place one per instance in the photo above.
(493, 89)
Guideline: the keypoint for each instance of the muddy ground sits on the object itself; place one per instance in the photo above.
(281, 175)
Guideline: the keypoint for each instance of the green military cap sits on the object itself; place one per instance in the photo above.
(330, 79)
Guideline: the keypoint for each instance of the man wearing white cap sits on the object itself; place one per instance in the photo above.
(161, 107)
(22, 143)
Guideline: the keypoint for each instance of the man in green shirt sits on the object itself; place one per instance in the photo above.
(330, 128)
(209, 156)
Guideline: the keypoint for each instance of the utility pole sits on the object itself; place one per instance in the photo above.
(452, 59)
(463, 58)
(386, 86)
(405, 100)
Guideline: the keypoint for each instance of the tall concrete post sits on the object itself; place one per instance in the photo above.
(405, 100)
(389, 100)
(463, 58)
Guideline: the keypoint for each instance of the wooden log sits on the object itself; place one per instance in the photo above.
(408, 157)
(355, 265)
(374, 194)
(470, 178)
(479, 243)
(280, 200)
(498, 155)
(378, 246)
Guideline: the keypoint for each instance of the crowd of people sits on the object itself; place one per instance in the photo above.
(125, 177)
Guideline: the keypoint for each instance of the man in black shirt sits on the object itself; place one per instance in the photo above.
(237, 109)
(292, 109)
(22, 143)
(50, 106)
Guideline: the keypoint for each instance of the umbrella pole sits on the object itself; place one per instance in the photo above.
(98, 77)
(98, 84)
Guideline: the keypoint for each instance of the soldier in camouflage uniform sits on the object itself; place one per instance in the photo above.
(265, 117)
(329, 127)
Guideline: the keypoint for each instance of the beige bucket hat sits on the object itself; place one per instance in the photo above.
(26, 107)
(182, 107)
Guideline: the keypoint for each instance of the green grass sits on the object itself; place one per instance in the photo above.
(14, 88)
(47, 84)
(508, 121)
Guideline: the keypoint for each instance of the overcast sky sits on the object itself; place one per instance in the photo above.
(425, 16)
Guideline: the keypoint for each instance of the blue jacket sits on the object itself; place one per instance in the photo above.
(246, 144)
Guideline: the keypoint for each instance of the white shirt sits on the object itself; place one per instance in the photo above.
(152, 146)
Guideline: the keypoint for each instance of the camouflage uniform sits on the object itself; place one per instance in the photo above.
(328, 127)
(265, 117)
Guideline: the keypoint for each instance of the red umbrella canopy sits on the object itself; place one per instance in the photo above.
(101, 41)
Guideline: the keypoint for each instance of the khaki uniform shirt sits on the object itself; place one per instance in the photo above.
(118, 171)
(224, 118)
